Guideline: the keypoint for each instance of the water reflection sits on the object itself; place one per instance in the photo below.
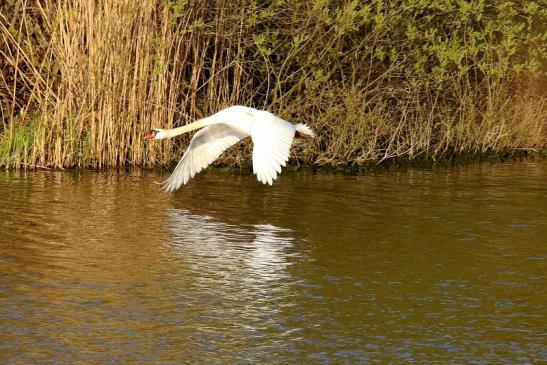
(235, 264)
(255, 252)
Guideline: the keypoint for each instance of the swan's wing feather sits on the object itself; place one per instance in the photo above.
(205, 147)
(272, 139)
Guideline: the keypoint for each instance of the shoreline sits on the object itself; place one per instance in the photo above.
(393, 164)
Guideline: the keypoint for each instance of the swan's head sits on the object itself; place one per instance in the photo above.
(155, 134)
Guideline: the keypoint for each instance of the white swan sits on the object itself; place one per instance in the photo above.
(272, 138)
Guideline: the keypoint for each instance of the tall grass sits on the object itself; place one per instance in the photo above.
(82, 81)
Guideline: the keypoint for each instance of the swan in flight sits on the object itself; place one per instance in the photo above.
(272, 138)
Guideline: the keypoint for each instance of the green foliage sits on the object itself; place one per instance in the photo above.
(16, 144)
(430, 40)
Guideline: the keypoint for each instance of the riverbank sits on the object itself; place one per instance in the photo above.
(378, 82)
(395, 164)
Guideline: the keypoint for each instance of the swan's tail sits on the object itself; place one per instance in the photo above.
(303, 131)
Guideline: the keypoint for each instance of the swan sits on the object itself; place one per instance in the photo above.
(272, 138)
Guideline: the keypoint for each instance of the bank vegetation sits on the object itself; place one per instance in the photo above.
(81, 81)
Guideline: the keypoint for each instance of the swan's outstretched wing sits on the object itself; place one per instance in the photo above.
(272, 139)
(205, 147)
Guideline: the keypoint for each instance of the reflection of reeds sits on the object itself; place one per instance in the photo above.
(81, 81)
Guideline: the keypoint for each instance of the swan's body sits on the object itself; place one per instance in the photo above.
(272, 138)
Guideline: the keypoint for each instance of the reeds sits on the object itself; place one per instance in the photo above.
(82, 81)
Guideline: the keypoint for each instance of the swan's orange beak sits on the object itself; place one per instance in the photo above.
(151, 134)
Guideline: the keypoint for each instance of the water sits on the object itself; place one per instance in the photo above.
(436, 266)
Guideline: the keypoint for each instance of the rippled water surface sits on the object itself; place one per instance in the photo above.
(436, 266)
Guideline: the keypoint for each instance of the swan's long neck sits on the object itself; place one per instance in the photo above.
(200, 123)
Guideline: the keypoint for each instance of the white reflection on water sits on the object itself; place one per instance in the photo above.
(236, 276)
(243, 256)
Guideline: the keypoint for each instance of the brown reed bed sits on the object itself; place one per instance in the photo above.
(81, 81)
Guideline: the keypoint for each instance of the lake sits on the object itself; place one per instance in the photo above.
(443, 265)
